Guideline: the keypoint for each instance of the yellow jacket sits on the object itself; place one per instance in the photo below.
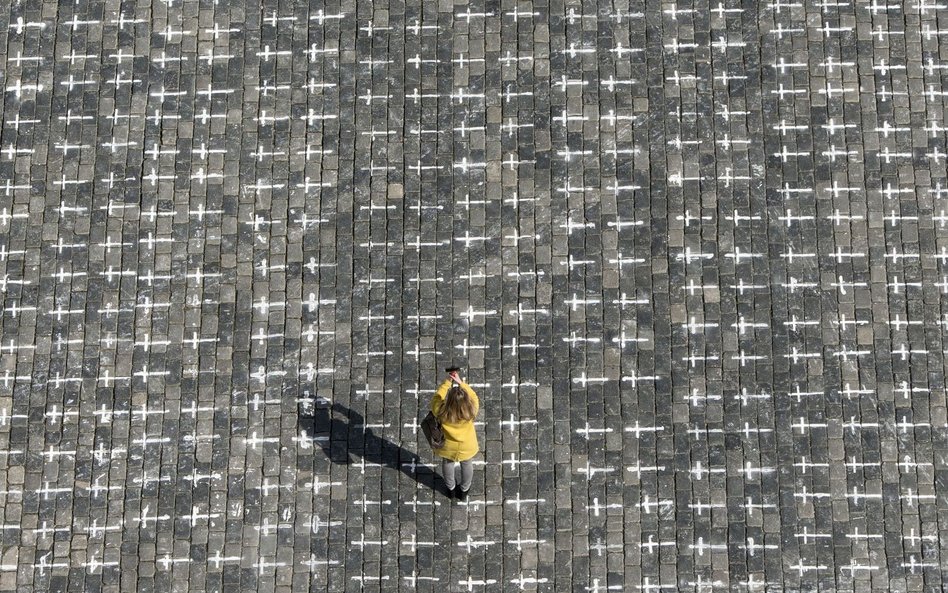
(460, 440)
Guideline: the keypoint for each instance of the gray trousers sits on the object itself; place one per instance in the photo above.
(448, 469)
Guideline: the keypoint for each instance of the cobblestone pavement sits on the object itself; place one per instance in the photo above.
(692, 256)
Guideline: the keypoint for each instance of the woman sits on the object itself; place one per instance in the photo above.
(456, 405)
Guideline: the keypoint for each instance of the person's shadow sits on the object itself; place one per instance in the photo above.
(342, 433)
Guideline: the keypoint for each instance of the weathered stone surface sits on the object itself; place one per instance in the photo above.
(692, 258)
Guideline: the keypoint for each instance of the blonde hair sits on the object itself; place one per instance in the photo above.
(457, 406)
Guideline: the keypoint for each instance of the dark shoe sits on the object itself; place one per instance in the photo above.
(450, 492)
(461, 495)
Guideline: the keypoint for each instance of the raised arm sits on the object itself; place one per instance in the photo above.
(471, 394)
(440, 394)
